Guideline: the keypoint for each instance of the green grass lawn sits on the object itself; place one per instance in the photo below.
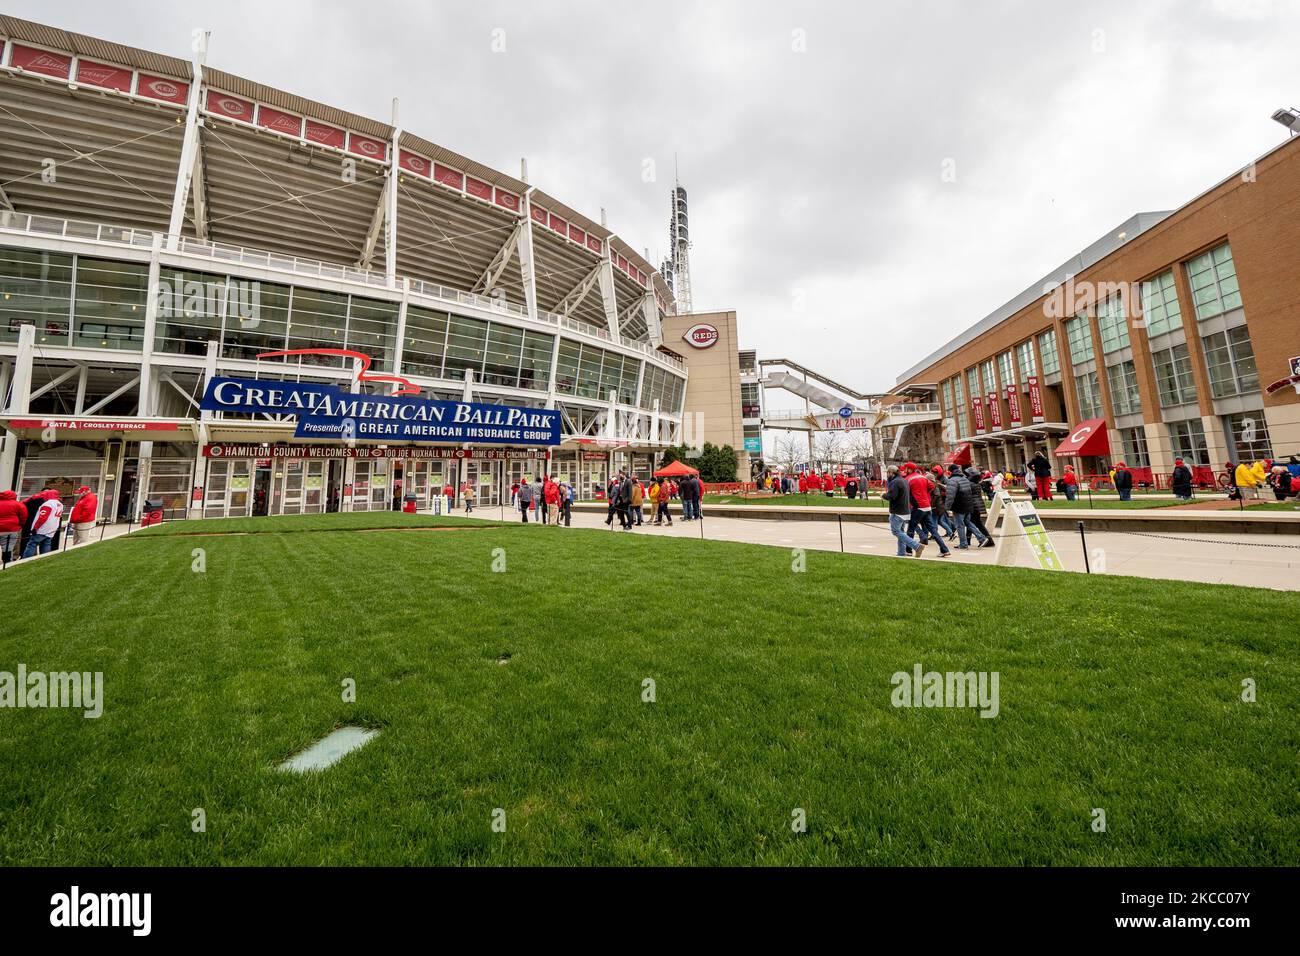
(875, 501)
(277, 524)
(773, 693)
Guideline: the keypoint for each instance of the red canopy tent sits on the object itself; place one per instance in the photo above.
(676, 470)
(959, 455)
(1087, 438)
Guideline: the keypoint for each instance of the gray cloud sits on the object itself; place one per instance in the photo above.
(813, 174)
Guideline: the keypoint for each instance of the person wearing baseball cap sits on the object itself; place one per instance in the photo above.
(84, 514)
(1180, 482)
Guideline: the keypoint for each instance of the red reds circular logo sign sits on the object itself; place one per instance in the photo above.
(163, 89)
(231, 107)
(701, 336)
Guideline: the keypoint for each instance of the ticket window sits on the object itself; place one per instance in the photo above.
(300, 486)
(67, 475)
(371, 486)
(229, 489)
(595, 475)
(423, 478)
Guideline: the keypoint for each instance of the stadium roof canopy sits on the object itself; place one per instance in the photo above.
(94, 131)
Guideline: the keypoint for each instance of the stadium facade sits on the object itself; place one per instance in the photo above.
(1175, 335)
(164, 224)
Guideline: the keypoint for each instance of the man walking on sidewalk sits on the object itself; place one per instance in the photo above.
(900, 509)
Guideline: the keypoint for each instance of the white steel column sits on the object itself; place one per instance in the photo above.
(189, 146)
(607, 292)
(401, 329)
(527, 273)
(653, 329)
(390, 216)
(201, 432)
(20, 390)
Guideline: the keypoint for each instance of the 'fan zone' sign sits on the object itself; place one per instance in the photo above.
(327, 411)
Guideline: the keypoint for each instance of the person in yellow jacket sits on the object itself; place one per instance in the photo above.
(1245, 478)
(653, 494)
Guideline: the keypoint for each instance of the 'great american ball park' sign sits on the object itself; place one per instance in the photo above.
(329, 412)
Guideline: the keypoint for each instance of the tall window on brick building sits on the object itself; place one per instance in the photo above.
(1025, 359)
(1248, 433)
(1160, 308)
(1134, 441)
(1230, 360)
(1174, 382)
(1188, 441)
(1112, 324)
(1079, 336)
(1213, 278)
(1087, 388)
(1124, 398)
(1047, 351)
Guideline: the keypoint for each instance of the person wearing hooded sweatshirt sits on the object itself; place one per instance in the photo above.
(84, 514)
(45, 525)
(13, 519)
(1180, 483)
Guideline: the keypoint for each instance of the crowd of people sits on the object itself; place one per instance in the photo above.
(939, 506)
(811, 482)
(549, 501)
(33, 526)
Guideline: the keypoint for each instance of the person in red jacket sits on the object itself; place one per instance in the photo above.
(84, 514)
(803, 483)
(921, 487)
(13, 518)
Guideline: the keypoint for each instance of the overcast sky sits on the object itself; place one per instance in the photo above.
(813, 137)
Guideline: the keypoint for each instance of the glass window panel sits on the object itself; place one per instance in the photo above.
(504, 353)
(244, 336)
(466, 343)
(1047, 351)
(111, 304)
(372, 329)
(535, 372)
(318, 320)
(566, 369)
(35, 289)
(1112, 324)
(426, 340)
(1079, 335)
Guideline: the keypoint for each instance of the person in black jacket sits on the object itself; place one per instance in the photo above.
(1124, 482)
(1042, 469)
(900, 509)
(957, 500)
(975, 519)
(1181, 480)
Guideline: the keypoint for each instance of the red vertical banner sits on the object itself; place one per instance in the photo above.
(1035, 399)
(995, 411)
(977, 404)
(1013, 404)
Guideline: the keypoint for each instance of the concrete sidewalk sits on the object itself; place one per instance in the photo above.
(1271, 561)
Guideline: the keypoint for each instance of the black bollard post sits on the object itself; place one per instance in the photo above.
(1083, 538)
(839, 519)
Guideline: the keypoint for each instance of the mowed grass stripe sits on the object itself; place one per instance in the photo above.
(773, 693)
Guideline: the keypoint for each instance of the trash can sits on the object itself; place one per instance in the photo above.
(153, 512)
(408, 504)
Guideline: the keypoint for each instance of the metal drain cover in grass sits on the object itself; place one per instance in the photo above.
(329, 750)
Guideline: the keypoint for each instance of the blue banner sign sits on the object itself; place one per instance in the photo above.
(329, 412)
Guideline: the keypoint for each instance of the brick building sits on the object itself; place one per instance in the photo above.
(1159, 340)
